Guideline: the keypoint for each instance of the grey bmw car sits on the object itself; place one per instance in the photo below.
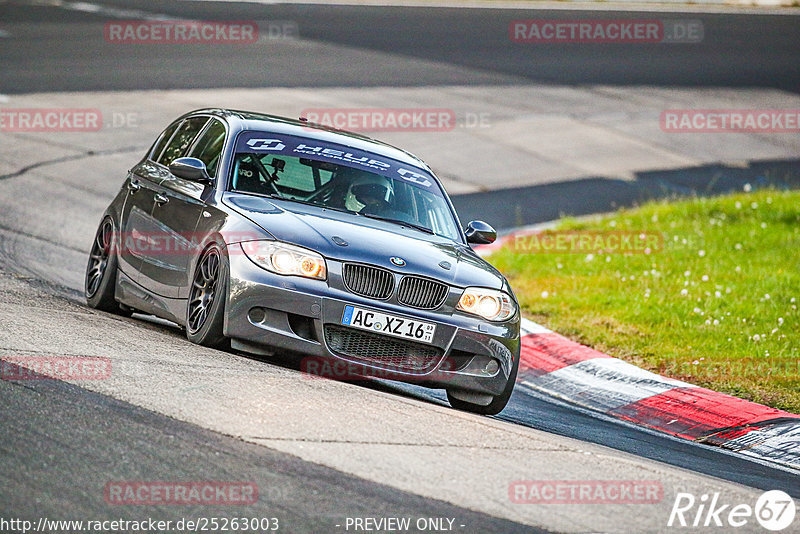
(271, 235)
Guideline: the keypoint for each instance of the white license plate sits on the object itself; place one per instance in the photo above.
(391, 325)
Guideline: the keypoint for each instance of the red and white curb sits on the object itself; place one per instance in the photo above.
(553, 365)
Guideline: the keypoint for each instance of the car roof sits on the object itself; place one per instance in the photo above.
(252, 121)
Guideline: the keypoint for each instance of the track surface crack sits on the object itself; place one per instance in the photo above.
(72, 157)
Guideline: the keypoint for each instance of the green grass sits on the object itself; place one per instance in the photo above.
(716, 306)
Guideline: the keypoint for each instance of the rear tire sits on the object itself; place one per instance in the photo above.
(101, 271)
(493, 408)
(205, 311)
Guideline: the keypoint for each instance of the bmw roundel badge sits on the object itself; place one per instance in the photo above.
(400, 262)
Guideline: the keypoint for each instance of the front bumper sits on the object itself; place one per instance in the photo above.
(266, 313)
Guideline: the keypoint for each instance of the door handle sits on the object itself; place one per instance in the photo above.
(134, 186)
(160, 199)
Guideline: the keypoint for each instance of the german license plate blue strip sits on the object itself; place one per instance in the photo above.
(387, 324)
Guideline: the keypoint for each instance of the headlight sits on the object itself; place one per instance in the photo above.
(282, 258)
(487, 303)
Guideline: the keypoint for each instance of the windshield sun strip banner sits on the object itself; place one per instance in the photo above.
(287, 145)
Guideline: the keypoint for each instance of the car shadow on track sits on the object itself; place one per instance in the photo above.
(294, 362)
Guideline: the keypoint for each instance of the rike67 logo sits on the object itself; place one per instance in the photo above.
(774, 510)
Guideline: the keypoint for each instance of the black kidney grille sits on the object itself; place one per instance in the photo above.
(368, 281)
(421, 292)
(384, 351)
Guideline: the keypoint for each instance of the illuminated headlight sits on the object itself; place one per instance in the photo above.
(487, 303)
(282, 258)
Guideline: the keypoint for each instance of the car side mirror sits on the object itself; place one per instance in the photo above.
(190, 169)
(480, 233)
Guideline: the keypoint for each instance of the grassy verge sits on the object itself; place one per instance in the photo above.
(715, 304)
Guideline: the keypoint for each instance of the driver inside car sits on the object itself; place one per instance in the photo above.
(373, 193)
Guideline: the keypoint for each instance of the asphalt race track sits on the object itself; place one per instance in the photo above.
(737, 50)
(70, 428)
(319, 451)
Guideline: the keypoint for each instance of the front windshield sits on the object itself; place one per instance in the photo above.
(340, 180)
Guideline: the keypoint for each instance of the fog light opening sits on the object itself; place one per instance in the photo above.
(482, 365)
(257, 315)
(491, 367)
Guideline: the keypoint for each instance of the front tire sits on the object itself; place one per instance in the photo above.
(493, 408)
(101, 271)
(205, 311)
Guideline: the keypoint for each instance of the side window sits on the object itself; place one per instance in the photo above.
(208, 147)
(183, 137)
(163, 140)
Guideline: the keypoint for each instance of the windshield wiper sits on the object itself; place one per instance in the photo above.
(400, 222)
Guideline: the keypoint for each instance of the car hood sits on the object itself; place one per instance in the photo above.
(367, 240)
